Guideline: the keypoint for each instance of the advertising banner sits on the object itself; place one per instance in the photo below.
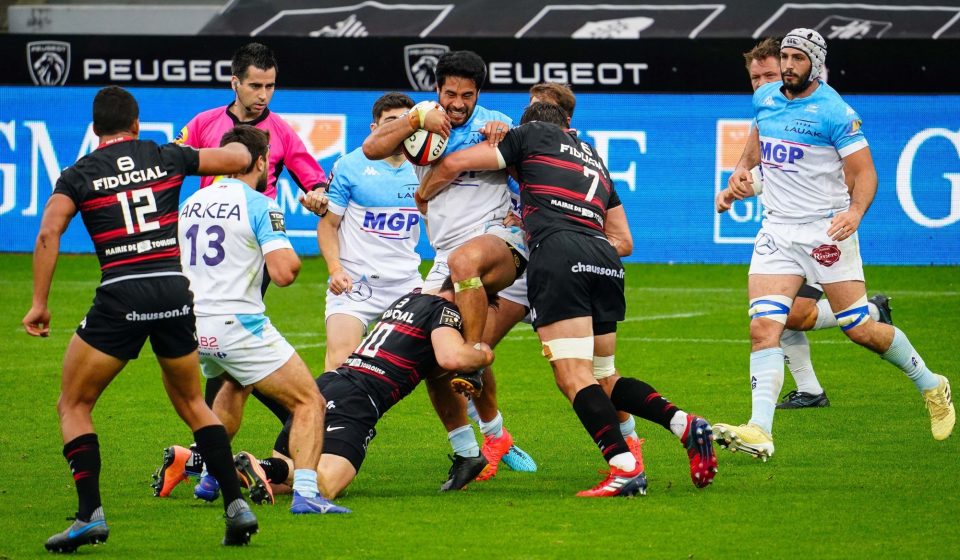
(668, 155)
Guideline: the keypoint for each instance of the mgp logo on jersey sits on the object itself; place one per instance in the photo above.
(391, 225)
(48, 62)
(741, 223)
(420, 61)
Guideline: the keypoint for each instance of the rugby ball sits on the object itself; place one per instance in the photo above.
(424, 147)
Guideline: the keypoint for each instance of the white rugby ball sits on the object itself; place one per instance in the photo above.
(424, 147)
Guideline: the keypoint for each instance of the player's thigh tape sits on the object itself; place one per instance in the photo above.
(856, 314)
(468, 284)
(569, 348)
(775, 307)
(603, 367)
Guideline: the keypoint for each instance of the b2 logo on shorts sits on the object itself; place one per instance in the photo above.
(826, 255)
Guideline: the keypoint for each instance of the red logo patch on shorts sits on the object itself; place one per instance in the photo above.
(826, 255)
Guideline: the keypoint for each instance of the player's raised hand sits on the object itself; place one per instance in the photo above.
(432, 117)
(494, 131)
(37, 322)
(844, 225)
(340, 282)
(740, 183)
(315, 201)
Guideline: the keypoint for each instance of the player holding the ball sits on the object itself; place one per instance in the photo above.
(478, 243)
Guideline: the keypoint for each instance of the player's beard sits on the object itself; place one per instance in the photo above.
(800, 85)
(262, 181)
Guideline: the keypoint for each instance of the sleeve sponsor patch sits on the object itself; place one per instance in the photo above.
(450, 318)
(277, 221)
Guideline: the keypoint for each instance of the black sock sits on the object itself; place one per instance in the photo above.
(599, 417)
(276, 469)
(83, 455)
(214, 446)
(276, 408)
(640, 399)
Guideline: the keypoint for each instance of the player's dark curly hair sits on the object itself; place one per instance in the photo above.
(545, 112)
(252, 54)
(461, 64)
(114, 110)
(257, 142)
(392, 100)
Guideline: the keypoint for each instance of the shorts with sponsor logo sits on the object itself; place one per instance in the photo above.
(245, 347)
(367, 301)
(806, 250)
(349, 421)
(126, 312)
(514, 238)
(576, 275)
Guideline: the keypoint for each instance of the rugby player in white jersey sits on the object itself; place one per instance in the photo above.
(369, 237)
(810, 146)
(478, 243)
(807, 313)
(228, 231)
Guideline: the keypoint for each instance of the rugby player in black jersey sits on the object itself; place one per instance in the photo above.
(127, 192)
(575, 283)
(420, 337)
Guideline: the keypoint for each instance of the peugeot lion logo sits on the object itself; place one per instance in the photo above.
(48, 62)
(420, 61)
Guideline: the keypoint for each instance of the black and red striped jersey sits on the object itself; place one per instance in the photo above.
(398, 351)
(128, 193)
(564, 185)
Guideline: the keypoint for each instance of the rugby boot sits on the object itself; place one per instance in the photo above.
(797, 399)
(634, 444)
(749, 438)
(883, 308)
(253, 477)
(468, 384)
(317, 504)
(698, 441)
(619, 483)
(208, 489)
(494, 448)
(94, 531)
(940, 406)
(519, 460)
(463, 471)
(172, 472)
(240, 526)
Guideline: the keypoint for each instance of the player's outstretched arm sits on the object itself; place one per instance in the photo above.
(385, 140)
(283, 266)
(861, 177)
(617, 230)
(229, 160)
(57, 214)
(453, 354)
(482, 157)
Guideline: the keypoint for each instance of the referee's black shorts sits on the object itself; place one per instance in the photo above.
(576, 275)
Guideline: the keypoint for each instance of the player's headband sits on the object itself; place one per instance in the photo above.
(812, 44)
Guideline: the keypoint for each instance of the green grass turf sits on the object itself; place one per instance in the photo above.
(863, 478)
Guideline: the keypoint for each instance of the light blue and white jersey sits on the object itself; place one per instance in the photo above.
(802, 146)
(380, 224)
(475, 197)
(225, 230)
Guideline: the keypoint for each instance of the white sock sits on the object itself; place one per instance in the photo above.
(678, 424)
(464, 441)
(766, 380)
(472, 411)
(825, 318)
(624, 461)
(628, 428)
(796, 354)
(305, 483)
(494, 427)
(903, 355)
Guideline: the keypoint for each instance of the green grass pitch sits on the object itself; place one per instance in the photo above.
(863, 478)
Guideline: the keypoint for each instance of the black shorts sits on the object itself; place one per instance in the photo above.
(575, 275)
(349, 421)
(126, 313)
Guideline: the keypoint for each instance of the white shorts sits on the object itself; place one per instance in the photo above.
(367, 301)
(514, 236)
(806, 250)
(246, 347)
